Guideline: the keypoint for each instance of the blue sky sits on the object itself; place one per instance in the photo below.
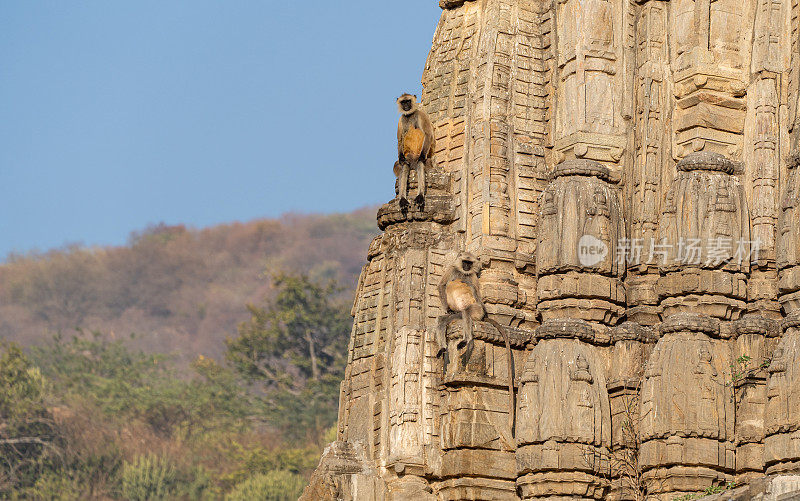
(119, 114)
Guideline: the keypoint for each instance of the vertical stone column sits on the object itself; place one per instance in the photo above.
(389, 402)
(782, 443)
(651, 137)
(477, 435)
(588, 119)
(782, 415)
(766, 144)
(788, 249)
(564, 419)
(581, 224)
(710, 52)
(687, 414)
(705, 240)
(632, 345)
(486, 86)
(749, 385)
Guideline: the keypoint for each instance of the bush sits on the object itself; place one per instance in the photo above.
(55, 486)
(276, 485)
(148, 477)
(196, 484)
(27, 434)
(259, 460)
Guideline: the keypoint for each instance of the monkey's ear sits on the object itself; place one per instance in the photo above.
(415, 96)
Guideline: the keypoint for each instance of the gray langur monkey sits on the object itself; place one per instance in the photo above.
(416, 143)
(461, 298)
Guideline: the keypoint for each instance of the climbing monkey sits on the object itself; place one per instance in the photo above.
(458, 291)
(415, 145)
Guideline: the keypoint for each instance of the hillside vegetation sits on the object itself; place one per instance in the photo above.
(179, 290)
(186, 365)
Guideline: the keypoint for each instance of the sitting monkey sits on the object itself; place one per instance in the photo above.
(458, 291)
(415, 145)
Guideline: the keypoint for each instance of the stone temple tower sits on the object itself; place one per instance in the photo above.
(623, 169)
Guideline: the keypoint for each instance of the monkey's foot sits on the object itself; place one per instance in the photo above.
(420, 199)
(404, 203)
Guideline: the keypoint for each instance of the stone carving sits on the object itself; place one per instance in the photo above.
(581, 223)
(564, 420)
(622, 172)
(782, 443)
(687, 410)
(705, 236)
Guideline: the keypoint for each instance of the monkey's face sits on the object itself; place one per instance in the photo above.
(406, 103)
(468, 263)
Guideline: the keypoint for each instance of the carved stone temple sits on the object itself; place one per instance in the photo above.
(624, 171)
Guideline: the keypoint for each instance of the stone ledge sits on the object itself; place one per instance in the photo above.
(754, 324)
(681, 322)
(571, 328)
(631, 331)
(484, 331)
(707, 161)
(793, 320)
(437, 208)
(452, 4)
(583, 167)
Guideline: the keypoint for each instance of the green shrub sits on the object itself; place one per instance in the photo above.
(54, 486)
(148, 477)
(196, 484)
(258, 460)
(276, 485)
(27, 434)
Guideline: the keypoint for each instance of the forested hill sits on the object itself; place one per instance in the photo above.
(178, 289)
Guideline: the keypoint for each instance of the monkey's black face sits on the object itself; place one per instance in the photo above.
(405, 104)
(466, 265)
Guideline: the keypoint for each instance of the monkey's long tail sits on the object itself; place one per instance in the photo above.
(512, 405)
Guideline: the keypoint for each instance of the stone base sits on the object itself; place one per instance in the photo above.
(679, 480)
(571, 485)
(345, 474)
(778, 488)
(467, 488)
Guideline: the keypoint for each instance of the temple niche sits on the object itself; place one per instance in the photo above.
(687, 411)
(624, 173)
(564, 419)
(581, 223)
(704, 249)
